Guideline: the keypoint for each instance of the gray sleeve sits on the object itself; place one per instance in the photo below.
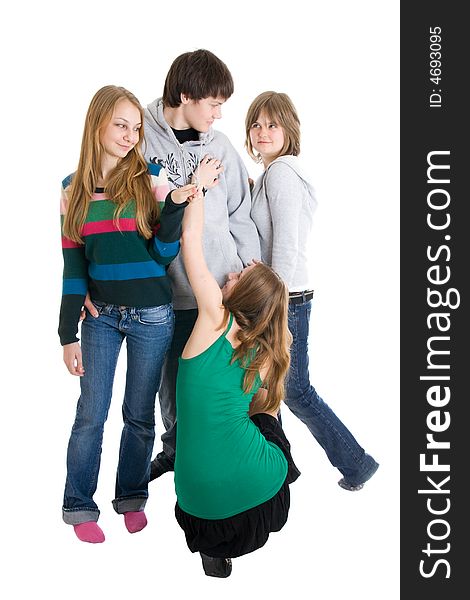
(284, 190)
(241, 225)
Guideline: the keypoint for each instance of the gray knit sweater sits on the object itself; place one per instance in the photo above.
(283, 202)
(230, 239)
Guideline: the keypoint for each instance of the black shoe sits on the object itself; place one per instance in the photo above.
(216, 567)
(161, 464)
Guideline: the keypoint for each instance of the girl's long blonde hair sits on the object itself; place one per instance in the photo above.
(128, 181)
(259, 303)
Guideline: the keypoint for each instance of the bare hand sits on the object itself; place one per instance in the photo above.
(207, 173)
(90, 307)
(186, 193)
(73, 359)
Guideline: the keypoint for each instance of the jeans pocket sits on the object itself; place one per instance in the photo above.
(98, 305)
(156, 315)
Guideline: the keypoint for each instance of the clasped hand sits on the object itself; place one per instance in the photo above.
(187, 193)
(206, 176)
(207, 172)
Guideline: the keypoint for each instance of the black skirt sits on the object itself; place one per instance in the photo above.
(250, 529)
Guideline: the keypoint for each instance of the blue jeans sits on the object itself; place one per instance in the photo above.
(184, 323)
(148, 333)
(340, 446)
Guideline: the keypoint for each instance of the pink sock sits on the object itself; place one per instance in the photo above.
(89, 531)
(135, 521)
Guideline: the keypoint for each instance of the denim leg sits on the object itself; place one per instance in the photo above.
(100, 342)
(184, 323)
(148, 336)
(341, 447)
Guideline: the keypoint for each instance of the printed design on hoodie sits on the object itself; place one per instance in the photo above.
(176, 175)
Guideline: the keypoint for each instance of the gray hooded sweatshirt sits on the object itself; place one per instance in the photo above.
(282, 209)
(230, 240)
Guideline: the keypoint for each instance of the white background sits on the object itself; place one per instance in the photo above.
(339, 64)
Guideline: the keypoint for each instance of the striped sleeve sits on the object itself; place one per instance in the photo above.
(74, 280)
(166, 243)
(159, 181)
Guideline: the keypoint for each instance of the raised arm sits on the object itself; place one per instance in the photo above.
(205, 288)
(165, 244)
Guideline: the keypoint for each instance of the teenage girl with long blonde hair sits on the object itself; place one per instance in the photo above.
(120, 230)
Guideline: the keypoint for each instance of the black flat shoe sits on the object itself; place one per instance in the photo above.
(161, 464)
(216, 567)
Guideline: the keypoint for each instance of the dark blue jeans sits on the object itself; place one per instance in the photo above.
(337, 441)
(184, 323)
(147, 332)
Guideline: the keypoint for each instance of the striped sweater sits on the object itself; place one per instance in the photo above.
(117, 265)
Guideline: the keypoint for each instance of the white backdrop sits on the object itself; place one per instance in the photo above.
(339, 64)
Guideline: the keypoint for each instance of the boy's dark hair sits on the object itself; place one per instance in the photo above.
(198, 75)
